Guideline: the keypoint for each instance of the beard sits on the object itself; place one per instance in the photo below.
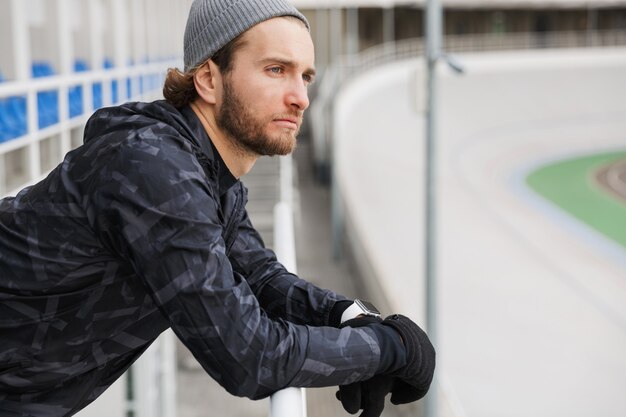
(247, 131)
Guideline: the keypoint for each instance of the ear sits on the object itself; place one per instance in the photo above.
(208, 81)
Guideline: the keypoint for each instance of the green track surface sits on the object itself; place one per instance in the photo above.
(571, 185)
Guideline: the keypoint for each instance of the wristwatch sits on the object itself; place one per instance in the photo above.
(359, 308)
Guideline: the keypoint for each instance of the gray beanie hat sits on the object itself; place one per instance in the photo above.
(214, 23)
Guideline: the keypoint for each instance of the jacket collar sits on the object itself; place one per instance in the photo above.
(225, 178)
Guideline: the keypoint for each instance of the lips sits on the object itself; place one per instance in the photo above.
(289, 122)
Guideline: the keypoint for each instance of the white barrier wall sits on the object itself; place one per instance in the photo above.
(532, 312)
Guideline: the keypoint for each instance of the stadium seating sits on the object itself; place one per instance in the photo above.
(75, 94)
(108, 64)
(12, 116)
(47, 101)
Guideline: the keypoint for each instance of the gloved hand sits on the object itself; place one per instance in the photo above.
(407, 384)
(416, 376)
(366, 395)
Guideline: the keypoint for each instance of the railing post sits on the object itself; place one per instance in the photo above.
(66, 52)
(289, 402)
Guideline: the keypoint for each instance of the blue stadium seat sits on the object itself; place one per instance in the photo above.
(129, 88)
(108, 64)
(80, 66)
(12, 116)
(129, 83)
(42, 69)
(4, 128)
(47, 101)
(4, 134)
(75, 94)
(17, 113)
(96, 91)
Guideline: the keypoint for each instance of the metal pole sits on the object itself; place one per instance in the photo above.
(433, 25)
(321, 42)
(592, 25)
(352, 31)
(21, 40)
(389, 28)
(66, 52)
(120, 44)
(336, 33)
(336, 201)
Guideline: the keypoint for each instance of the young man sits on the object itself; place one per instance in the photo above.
(144, 227)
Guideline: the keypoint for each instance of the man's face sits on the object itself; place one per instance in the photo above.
(263, 97)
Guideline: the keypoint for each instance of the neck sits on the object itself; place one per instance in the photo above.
(238, 161)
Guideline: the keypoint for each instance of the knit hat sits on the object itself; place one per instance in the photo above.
(214, 23)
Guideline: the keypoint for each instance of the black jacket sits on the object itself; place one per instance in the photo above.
(140, 229)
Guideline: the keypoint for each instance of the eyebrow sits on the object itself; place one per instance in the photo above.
(288, 63)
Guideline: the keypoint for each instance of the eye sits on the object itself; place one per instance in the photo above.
(276, 70)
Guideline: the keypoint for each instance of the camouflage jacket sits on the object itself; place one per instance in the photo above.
(140, 229)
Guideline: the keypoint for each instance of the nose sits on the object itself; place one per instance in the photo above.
(298, 96)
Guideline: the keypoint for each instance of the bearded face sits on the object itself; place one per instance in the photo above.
(251, 129)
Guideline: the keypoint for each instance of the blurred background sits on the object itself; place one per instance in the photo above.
(530, 184)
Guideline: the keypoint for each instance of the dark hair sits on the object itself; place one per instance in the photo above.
(179, 89)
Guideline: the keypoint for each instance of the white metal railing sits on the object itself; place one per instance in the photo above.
(534, 40)
(61, 84)
(289, 402)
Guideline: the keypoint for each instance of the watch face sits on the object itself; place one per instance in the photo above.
(367, 307)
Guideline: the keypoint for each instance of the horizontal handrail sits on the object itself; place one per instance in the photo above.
(53, 82)
(482, 42)
(62, 84)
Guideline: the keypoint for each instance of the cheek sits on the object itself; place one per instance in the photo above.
(265, 95)
(264, 103)
(263, 89)
(261, 97)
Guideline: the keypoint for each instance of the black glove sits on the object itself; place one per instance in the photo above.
(407, 384)
(366, 395)
(416, 376)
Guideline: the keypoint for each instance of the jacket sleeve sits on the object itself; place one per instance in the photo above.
(150, 204)
(280, 293)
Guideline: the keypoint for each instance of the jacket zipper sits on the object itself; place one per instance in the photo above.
(234, 220)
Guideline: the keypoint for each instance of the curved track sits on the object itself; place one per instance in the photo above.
(532, 301)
